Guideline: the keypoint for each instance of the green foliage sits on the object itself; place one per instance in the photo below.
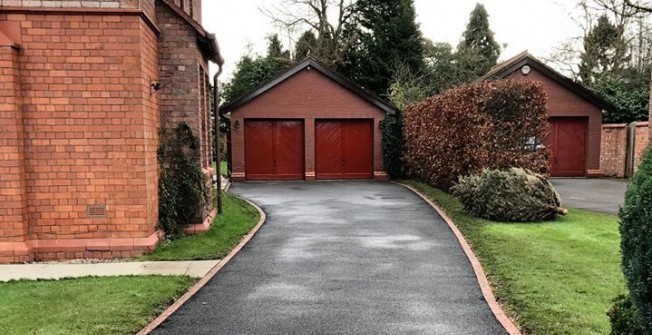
(183, 188)
(387, 35)
(251, 71)
(226, 232)
(408, 87)
(605, 51)
(479, 49)
(514, 195)
(275, 50)
(392, 127)
(447, 68)
(486, 125)
(636, 239)
(631, 100)
(624, 317)
(305, 46)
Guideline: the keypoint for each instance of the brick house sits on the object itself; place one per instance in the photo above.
(84, 90)
(320, 124)
(574, 114)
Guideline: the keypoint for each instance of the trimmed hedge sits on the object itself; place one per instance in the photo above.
(624, 318)
(486, 125)
(636, 239)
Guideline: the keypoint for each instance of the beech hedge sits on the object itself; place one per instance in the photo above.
(483, 125)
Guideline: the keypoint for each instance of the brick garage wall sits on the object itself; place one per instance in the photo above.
(564, 103)
(183, 68)
(614, 150)
(89, 131)
(307, 95)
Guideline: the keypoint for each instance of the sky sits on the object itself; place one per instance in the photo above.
(534, 25)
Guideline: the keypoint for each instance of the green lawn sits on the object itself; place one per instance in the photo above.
(224, 168)
(553, 278)
(92, 305)
(225, 233)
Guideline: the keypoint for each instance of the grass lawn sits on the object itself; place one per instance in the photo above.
(555, 278)
(225, 233)
(92, 305)
(224, 168)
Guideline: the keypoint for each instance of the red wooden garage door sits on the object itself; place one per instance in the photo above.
(273, 149)
(343, 149)
(568, 144)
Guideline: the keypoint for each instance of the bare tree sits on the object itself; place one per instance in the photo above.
(628, 15)
(642, 6)
(327, 18)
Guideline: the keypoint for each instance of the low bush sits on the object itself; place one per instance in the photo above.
(624, 317)
(487, 125)
(183, 188)
(636, 239)
(513, 195)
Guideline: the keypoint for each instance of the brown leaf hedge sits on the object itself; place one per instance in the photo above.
(484, 125)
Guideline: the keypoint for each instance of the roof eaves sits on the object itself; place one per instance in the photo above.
(211, 47)
(309, 62)
(524, 58)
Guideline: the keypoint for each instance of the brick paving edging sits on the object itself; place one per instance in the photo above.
(485, 287)
(202, 282)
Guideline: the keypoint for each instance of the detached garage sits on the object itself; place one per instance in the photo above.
(307, 123)
(574, 114)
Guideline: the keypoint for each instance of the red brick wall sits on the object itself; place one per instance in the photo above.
(183, 69)
(613, 159)
(307, 95)
(641, 142)
(614, 150)
(90, 132)
(563, 102)
(13, 195)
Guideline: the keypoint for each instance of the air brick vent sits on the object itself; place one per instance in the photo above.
(96, 211)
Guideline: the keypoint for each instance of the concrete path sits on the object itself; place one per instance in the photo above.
(341, 258)
(600, 195)
(195, 269)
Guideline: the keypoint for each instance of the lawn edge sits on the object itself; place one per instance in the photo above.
(204, 280)
(485, 287)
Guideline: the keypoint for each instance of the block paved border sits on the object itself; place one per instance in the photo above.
(202, 282)
(488, 294)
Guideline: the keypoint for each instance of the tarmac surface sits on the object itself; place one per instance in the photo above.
(357, 257)
(594, 194)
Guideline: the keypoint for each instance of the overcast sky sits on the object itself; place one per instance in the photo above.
(535, 25)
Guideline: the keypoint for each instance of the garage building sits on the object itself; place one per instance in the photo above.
(307, 123)
(574, 113)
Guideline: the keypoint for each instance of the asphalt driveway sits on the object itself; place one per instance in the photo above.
(341, 258)
(594, 194)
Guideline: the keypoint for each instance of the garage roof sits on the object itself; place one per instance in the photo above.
(508, 67)
(314, 64)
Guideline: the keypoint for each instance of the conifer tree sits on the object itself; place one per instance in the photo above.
(478, 47)
(388, 35)
(305, 46)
